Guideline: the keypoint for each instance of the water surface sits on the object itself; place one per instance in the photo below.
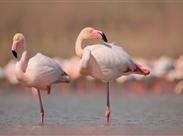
(74, 114)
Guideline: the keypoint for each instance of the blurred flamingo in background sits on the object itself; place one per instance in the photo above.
(104, 61)
(1, 73)
(70, 66)
(177, 75)
(178, 71)
(9, 72)
(38, 72)
(59, 61)
(179, 87)
(64, 88)
(163, 66)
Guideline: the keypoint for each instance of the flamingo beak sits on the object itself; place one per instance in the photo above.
(13, 48)
(100, 34)
(14, 54)
(104, 37)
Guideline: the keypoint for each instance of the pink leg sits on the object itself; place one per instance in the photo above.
(107, 113)
(41, 107)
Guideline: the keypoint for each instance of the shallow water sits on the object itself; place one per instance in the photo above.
(74, 114)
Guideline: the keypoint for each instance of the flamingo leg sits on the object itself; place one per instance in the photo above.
(41, 107)
(107, 113)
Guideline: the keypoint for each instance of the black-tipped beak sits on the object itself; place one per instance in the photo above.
(14, 54)
(104, 37)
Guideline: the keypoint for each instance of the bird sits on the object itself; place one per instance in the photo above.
(1, 73)
(68, 65)
(176, 75)
(178, 89)
(178, 68)
(104, 61)
(163, 66)
(9, 72)
(38, 72)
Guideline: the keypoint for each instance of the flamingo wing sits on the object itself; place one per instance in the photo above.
(43, 71)
(108, 61)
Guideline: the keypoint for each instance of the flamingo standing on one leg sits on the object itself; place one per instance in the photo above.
(39, 72)
(104, 61)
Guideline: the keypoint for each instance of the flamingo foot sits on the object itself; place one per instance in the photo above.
(140, 70)
(107, 115)
(42, 118)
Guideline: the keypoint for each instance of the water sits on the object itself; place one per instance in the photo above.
(73, 114)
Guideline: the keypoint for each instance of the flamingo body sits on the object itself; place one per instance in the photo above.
(9, 72)
(41, 71)
(106, 62)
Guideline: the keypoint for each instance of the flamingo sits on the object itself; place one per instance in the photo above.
(162, 66)
(145, 63)
(1, 73)
(179, 68)
(68, 65)
(9, 72)
(177, 75)
(104, 61)
(38, 72)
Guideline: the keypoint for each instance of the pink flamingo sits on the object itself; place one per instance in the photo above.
(1, 73)
(68, 65)
(162, 66)
(104, 61)
(9, 72)
(38, 72)
(177, 75)
(179, 68)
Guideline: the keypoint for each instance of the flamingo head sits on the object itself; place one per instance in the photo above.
(91, 33)
(18, 40)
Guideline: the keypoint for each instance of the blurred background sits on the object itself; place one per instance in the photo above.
(146, 29)
(151, 32)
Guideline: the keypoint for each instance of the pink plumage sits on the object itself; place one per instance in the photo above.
(39, 71)
(104, 61)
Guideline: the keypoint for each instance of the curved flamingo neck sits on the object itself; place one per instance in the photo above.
(21, 65)
(22, 48)
(24, 61)
(78, 46)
